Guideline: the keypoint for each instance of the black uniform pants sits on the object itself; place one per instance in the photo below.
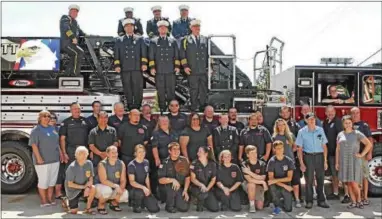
(174, 199)
(198, 90)
(76, 55)
(165, 83)
(148, 201)
(132, 82)
(314, 168)
(277, 193)
(207, 199)
(232, 201)
(61, 174)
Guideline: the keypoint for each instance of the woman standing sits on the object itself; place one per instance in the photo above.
(203, 178)
(229, 179)
(193, 137)
(46, 157)
(282, 133)
(348, 159)
(138, 170)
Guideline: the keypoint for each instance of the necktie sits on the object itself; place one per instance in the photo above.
(197, 41)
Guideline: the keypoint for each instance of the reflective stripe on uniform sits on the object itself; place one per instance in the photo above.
(177, 62)
(184, 61)
(144, 60)
(116, 62)
(69, 33)
(151, 63)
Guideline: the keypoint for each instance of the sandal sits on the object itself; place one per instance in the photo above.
(102, 211)
(89, 211)
(59, 197)
(359, 205)
(114, 207)
(352, 205)
(366, 202)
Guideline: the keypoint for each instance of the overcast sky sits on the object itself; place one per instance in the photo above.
(310, 30)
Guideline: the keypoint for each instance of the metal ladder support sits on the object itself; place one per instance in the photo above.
(228, 56)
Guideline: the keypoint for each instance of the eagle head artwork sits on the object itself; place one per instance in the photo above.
(36, 55)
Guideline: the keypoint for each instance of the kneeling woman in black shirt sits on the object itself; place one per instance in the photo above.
(138, 170)
(203, 178)
(229, 178)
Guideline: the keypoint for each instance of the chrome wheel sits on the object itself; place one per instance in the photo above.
(12, 168)
(375, 171)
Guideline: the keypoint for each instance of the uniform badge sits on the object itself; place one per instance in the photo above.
(146, 169)
(257, 171)
(141, 131)
(285, 167)
(117, 175)
(233, 174)
(169, 44)
(87, 173)
(332, 125)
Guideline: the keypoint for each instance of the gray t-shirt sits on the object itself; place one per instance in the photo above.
(47, 141)
(79, 175)
(288, 150)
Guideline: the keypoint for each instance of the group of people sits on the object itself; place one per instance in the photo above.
(130, 157)
(160, 54)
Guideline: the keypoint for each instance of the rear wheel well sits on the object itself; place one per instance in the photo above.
(15, 136)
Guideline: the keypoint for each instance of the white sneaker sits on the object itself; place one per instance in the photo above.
(298, 204)
(252, 209)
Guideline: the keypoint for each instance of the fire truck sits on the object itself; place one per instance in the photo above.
(363, 85)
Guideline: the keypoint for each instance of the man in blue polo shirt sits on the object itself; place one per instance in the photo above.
(312, 153)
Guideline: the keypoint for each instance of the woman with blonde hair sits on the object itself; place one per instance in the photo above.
(281, 132)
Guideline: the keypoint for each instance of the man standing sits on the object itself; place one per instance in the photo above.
(285, 113)
(194, 59)
(312, 150)
(137, 22)
(178, 120)
(226, 137)
(70, 32)
(151, 27)
(147, 119)
(181, 26)
(119, 116)
(130, 59)
(332, 126)
(232, 115)
(208, 119)
(164, 61)
(365, 129)
(92, 119)
(305, 109)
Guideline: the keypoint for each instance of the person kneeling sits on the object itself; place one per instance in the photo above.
(112, 178)
(138, 170)
(203, 178)
(229, 178)
(254, 174)
(79, 181)
(174, 178)
(280, 172)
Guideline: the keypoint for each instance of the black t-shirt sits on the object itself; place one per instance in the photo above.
(178, 122)
(131, 135)
(161, 139)
(150, 125)
(115, 122)
(258, 136)
(210, 125)
(228, 176)
(239, 125)
(196, 139)
(258, 168)
(76, 131)
(332, 128)
(139, 170)
(280, 168)
(102, 139)
(365, 129)
(204, 174)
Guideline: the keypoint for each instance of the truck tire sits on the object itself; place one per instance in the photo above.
(17, 170)
(375, 171)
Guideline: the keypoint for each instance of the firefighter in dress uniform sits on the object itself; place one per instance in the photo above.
(130, 60)
(151, 27)
(164, 61)
(70, 31)
(181, 26)
(194, 59)
(138, 29)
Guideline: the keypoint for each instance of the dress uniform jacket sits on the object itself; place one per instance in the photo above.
(138, 29)
(152, 28)
(163, 55)
(226, 139)
(130, 53)
(194, 56)
(69, 29)
(181, 27)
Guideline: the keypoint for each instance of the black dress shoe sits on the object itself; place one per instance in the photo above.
(171, 210)
(323, 205)
(309, 205)
(224, 208)
(333, 197)
(137, 209)
(199, 208)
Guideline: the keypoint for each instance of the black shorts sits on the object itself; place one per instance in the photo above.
(73, 203)
(296, 177)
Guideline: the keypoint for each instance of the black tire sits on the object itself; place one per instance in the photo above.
(374, 190)
(29, 178)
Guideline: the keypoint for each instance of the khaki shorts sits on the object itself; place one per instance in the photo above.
(365, 168)
(108, 193)
(259, 195)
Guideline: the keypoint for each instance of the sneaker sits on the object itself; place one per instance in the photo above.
(333, 197)
(298, 204)
(276, 211)
(314, 196)
(252, 209)
(346, 199)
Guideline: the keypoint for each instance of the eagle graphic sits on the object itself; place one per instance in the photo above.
(36, 55)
